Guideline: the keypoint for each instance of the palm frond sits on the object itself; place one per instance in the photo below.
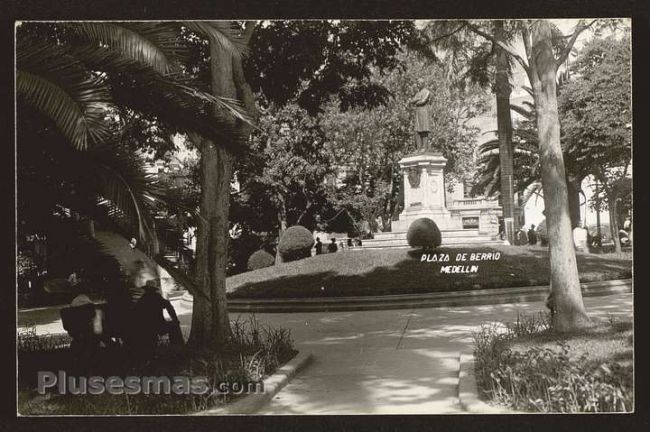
(55, 83)
(147, 43)
(526, 113)
(531, 189)
(222, 33)
(126, 190)
(173, 99)
(527, 135)
(489, 146)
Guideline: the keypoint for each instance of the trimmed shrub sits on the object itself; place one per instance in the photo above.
(296, 243)
(260, 259)
(424, 233)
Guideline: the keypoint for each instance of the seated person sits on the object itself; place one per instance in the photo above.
(521, 238)
(148, 314)
(332, 247)
(118, 312)
(79, 321)
(624, 237)
(597, 241)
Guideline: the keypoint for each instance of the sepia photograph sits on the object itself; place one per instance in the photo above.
(324, 217)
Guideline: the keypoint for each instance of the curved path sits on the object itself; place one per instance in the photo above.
(395, 361)
(379, 362)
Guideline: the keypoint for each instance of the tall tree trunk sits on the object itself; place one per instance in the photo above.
(597, 194)
(502, 90)
(573, 191)
(612, 205)
(304, 213)
(570, 311)
(210, 322)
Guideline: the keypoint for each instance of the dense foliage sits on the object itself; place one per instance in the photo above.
(327, 58)
(367, 143)
(596, 119)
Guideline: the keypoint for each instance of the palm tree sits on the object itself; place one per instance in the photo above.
(73, 73)
(526, 158)
(525, 163)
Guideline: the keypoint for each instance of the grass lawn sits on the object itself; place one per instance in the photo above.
(400, 271)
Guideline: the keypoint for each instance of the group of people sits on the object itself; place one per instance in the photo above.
(334, 247)
(522, 237)
(581, 236)
(121, 321)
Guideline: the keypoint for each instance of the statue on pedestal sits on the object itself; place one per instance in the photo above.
(422, 123)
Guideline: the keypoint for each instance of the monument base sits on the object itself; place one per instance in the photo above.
(461, 221)
(442, 218)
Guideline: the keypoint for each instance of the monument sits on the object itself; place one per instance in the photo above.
(424, 190)
(460, 219)
(422, 118)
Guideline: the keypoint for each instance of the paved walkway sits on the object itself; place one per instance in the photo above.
(397, 361)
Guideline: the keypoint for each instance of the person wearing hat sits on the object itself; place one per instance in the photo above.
(148, 315)
(80, 300)
(84, 323)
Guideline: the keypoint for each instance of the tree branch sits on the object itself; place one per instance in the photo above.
(533, 78)
(502, 45)
(580, 27)
(462, 26)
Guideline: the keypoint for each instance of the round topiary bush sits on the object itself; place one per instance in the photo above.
(260, 259)
(424, 233)
(296, 243)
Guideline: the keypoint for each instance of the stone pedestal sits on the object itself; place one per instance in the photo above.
(424, 191)
(425, 196)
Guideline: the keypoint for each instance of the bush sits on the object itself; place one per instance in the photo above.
(260, 259)
(296, 243)
(424, 233)
(545, 379)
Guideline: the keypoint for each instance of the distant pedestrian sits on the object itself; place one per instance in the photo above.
(627, 225)
(319, 246)
(350, 243)
(532, 235)
(521, 238)
(581, 238)
(332, 247)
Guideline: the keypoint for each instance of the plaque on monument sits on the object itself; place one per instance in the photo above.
(470, 223)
